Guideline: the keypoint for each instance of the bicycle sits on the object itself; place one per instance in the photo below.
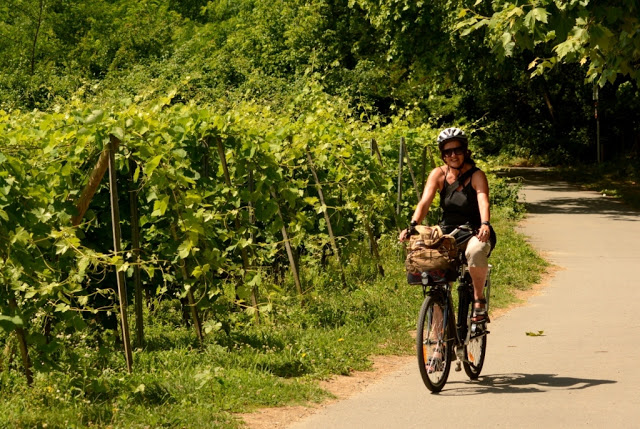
(439, 333)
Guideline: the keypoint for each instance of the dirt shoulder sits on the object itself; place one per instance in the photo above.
(341, 387)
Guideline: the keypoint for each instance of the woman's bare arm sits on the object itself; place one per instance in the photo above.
(433, 185)
(480, 183)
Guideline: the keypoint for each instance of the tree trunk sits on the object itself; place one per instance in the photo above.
(34, 45)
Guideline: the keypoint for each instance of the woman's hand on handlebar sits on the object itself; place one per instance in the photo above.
(484, 233)
(404, 235)
(407, 232)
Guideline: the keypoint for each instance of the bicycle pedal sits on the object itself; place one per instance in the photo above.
(458, 366)
(479, 328)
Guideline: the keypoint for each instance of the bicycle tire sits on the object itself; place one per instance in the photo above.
(475, 351)
(432, 333)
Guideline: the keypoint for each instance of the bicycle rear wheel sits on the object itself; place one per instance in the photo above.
(434, 343)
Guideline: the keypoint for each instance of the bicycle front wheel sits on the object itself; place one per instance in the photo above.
(434, 343)
(475, 351)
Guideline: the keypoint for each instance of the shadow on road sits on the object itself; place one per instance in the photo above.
(591, 203)
(586, 205)
(520, 383)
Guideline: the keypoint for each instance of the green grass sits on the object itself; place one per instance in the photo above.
(178, 384)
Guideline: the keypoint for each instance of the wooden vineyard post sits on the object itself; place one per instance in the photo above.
(373, 244)
(413, 177)
(287, 245)
(115, 222)
(374, 247)
(326, 218)
(424, 167)
(205, 159)
(195, 317)
(22, 345)
(400, 162)
(94, 181)
(375, 150)
(431, 160)
(243, 251)
(135, 242)
(252, 214)
(252, 221)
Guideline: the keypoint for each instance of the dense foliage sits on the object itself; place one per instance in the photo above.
(601, 36)
(391, 55)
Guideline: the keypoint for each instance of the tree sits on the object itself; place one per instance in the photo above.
(24, 28)
(604, 36)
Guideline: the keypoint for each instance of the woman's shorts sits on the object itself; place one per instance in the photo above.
(477, 253)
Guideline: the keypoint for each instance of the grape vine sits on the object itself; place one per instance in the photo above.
(215, 189)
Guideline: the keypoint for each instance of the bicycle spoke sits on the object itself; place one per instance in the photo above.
(475, 354)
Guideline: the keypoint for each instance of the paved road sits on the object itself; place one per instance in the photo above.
(584, 371)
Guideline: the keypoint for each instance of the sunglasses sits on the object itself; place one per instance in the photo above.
(449, 152)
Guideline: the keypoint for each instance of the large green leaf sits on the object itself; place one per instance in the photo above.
(9, 323)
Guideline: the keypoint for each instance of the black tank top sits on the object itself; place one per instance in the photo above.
(461, 206)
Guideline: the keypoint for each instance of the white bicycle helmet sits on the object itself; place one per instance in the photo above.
(451, 134)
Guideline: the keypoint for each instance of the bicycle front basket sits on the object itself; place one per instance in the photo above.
(431, 250)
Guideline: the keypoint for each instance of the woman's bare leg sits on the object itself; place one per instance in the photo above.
(478, 277)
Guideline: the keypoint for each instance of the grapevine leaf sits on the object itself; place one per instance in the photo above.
(9, 323)
(136, 174)
(20, 236)
(94, 117)
(118, 133)
(255, 281)
(184, 249)
(160, 206)
(152, 165)
(537, 14)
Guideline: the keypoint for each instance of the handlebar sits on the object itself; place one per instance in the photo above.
(462, 234)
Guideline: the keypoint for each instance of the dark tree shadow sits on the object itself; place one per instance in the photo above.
(519, 383)
(606, 207)
(591, 203)
(531, 175)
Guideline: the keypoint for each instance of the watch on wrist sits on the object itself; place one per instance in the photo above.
(486, 222)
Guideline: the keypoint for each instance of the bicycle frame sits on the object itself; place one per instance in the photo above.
(443, 336)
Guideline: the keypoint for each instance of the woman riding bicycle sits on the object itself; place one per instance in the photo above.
(468, 203)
